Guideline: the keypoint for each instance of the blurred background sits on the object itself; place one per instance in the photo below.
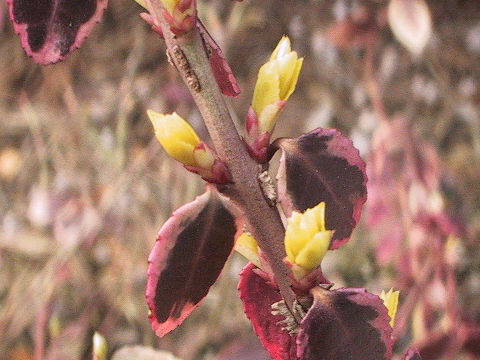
(84, 186)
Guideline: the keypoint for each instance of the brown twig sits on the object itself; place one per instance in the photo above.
(188, 54)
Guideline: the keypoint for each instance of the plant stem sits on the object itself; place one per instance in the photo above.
(189, 55)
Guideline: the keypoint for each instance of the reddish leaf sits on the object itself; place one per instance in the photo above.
(190, 252)
(345, 324)
(321, 166)
(50, 29)
(258, 296)
(220, 67)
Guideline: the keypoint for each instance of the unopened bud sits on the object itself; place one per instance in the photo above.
(180, 14)
(176, 136)
(275, 83)
(390, 300)
(306, 239)
(247, 246)
(182, 143)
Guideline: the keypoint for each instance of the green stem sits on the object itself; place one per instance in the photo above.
(188, 54)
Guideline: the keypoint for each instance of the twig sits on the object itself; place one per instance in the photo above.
(189, 56)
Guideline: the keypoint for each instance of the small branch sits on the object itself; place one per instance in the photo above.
(189, 56)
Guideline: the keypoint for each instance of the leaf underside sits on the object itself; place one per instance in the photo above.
(188, 256)
(345, 324)
(50, 29)
(323, 165)
(257, 296)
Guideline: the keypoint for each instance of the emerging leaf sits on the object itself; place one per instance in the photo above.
(276, 81)
(50, 29)
(306, 239)
(390, 300)
(323, 166)
(220, 67)
(177, 136)
(257, 296)
(247, 246)
(190, 252)
(345, 324)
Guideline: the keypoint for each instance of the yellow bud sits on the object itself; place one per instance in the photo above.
(204, 157)
(268, 117)
(99, 347)
(179, 10)
(288, 65)
(276, 81)
(306, 239)
(390, 300)
(247, 246)
(176, 136)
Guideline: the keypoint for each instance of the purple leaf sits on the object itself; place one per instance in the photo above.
(323, 165)
(345, 324)
(50, 29)
(221, 69)
(258, 295)
(190, 252)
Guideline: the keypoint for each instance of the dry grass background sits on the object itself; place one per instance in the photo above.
(84, 187)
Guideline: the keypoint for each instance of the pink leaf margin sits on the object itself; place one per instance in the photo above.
(50, 53)
(341, 147)
(325, 300)
(157, 262)
(166, 240)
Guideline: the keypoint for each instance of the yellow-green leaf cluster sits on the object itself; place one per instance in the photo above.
(276, 81)
(306, 238)
(390, 300)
